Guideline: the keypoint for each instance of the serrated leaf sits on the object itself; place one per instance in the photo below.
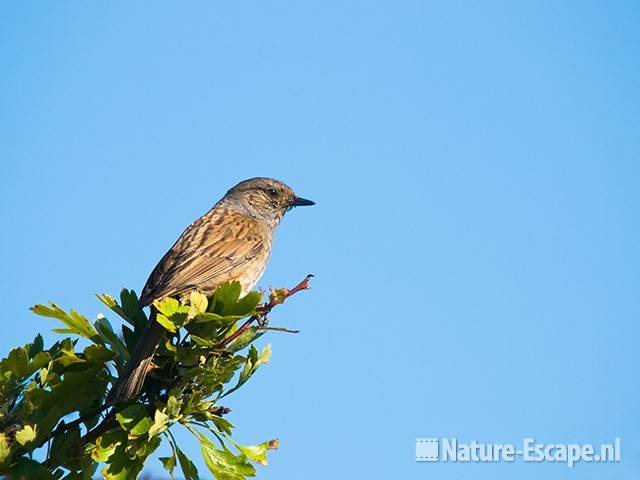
(169, 464)
(134, 419)
(26, 434)
(245, 306)
(189, 470)
(43, 376)
(5, 449)
(222, 424)
(258, 453)
(63, 331)
(75, 322)
(66, 449)
(160, 421)
(98, 354)
(105, 330)
(17, 362)
(106, 445)
(197, 303)
(173, 406)
(223, 464)
(172, 315)
(203, 342)
(245, 338)
(39, 361)
(252, 363)
(216, 320)
(146, 447)
(132, 309)
(107, 299)
(166, 323)
(225, 296)
(122, 467)
(168, 306)
(27, 469)
(37, 346)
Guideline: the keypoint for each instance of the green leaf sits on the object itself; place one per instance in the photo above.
(132, 309)
(265, 356)
(5, 449)
(245, 306)
(97, 354)
(36, 347)
(26, 434)
(172, 315)
(225, 297)
(44, 373)
(169, 306)
(245, 338)
(74, 322)
(173, 406)
(106, 445)
(66, 450)
(169, 464)
(167, 323)
(258, 453)
(223, 464)
(160, 421)
(197, 304)
(189, 470)
(18, 362)
(145, 447)
(122, 467)
(108, 300)
(222, 424)
(217, 320)
(39, 361)
(79, 390)
(189, 376)
(131, 337)
(128, 459)
(252, 363)
(203, 342)
(84, 475)
(27, 469)
(105, 330)
(134, 419)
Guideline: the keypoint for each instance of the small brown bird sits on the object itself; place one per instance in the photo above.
(232, 241)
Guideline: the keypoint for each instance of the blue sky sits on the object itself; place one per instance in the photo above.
(475, 239)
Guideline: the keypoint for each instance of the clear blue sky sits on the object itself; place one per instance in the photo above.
(476, 235)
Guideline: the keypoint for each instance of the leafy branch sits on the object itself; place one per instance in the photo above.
(54, 422)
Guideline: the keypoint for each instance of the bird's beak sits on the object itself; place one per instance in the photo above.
(301, 202)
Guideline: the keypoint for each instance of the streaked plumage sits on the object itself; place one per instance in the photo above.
(221, 246)
(232, 241)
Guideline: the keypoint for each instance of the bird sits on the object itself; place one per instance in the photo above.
(231, 242)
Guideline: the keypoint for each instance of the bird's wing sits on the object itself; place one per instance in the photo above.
(213, 250)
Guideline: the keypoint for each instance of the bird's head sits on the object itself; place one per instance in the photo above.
(265, 198)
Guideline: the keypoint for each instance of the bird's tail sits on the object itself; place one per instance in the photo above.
(130, 382)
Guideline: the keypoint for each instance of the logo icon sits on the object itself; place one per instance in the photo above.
(427, 449)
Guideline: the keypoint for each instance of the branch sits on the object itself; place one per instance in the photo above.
(279, 329)
(275, 298)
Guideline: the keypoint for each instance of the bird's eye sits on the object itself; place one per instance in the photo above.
(272, 192)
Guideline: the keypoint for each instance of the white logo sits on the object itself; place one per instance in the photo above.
(451, 450)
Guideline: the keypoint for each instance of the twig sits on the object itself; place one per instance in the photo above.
(280, 329)
(277, 297)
